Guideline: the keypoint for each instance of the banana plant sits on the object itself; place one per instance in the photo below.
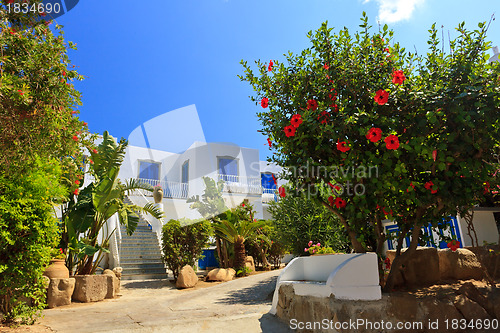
(87, 212)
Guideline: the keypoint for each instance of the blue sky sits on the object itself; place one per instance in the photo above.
(142, 59)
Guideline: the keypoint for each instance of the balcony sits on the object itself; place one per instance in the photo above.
(239, 184)
(170, 189)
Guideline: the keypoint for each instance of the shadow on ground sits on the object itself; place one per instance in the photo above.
(271, 324)
(149, 284)
(257, 294)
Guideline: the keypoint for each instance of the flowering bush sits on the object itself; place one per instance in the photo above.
(318, 249)
(428, 125)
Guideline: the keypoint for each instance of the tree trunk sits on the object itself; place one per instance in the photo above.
(356, 245)
(219, 252)
(239, 255)
(225, 257)
(402, 259)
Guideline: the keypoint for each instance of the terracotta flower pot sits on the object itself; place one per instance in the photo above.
(57, 269)
(158, 194)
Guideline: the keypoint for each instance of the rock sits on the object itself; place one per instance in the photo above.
(113, 287)
(461, 264)
(402, 306)
(421, 269)
(468, 289)
(470, 309)
(187, 278)
(250, 263)
(59, 292)
(221, 274)
(118, 272)
(108, 272)
(90, 288)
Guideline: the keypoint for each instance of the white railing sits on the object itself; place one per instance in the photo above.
(239, 184)
(269, 195)
(156, 225)
(170, 189)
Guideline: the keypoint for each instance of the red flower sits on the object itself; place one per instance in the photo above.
(374, 134)
(386, 213)
(91, 162)
(73, 112)
(85, 124)
(282, 192)
(486, 188)
(242, 204)
(264, 102)
(340, 203)
(269, 142)
(412, 186)
(335, 107)
(274, 179)
(20, 92)
(341, 145)
(270, 67)
(392, 142)
(381, 97)
(387, 263)
(77, 182)
(296, 120)
(453, 245)
(94, 151)
(61, 250)
(325, 115)
(434, 154)
(332, 97)
(398, 77)
(312, 104)
(334, 187)
(63, 73)
(290, 130)
(325, 66)
(330, 200)
(75, 192)
(75, 138)
(430, 186)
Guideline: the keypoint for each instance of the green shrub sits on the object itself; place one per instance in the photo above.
(298, 220)
(183, 242)
(28, 232)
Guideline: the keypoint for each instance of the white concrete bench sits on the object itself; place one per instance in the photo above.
(345, 276)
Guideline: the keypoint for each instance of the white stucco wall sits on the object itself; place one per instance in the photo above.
(484, 224)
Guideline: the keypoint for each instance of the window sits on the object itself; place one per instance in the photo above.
(228, 169)
(267, 181)
(149, 170)
(185, 172)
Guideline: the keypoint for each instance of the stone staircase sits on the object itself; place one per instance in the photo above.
(140, 254)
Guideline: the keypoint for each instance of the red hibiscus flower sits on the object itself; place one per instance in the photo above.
(392, 142)
(486, 187)
(242, 204)
(91, 162)
(398, 77)
(77, 182)
(324, 117)
(374, 134)
(387, 263)
(94, 151)
(381, 97)
(85, 124)
(75, 138)
(330, 200)
(282, 192)
(73, 112)
(434, 154)
(340, 203)
(264, 102)
(430, 186)
(75, 192)
(269, 142)
(335, 107)
(454, 245)
(386, 213)
(20, 92)
(312, 104)
(342, 146)
(270, 67)
(325, 66)
(412, 186)
(296, 120)
(290, 130)
(332, 97)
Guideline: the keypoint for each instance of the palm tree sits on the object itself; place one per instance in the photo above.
(236, 230)
(86, 214)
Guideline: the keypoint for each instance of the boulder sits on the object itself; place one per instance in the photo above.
(59, 292)
(470, 309)
(461, 264)
(118, 272)
(421, 269)
(187, 278)
(90, 288)
(250, 263)
(221, 274)
(113, 287)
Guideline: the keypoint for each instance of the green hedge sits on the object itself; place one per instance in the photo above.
(183, 242)
(28, 232)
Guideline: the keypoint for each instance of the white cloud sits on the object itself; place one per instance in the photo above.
(391, 11)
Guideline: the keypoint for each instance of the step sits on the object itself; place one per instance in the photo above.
(145, 276)
(140, 265)
(130, 242)
(131, 271)
(138, 253)
(141, 257)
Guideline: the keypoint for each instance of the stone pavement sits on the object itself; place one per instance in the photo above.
(155, 306)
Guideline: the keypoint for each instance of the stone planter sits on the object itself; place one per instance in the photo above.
(59, 292)
(57, 269)
(90, 288)
(158, 194)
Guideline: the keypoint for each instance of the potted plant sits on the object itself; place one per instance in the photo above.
(57, 267)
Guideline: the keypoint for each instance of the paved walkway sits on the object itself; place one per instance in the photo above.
(237, 306)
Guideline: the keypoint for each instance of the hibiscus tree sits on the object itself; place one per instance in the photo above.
(394, 124)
